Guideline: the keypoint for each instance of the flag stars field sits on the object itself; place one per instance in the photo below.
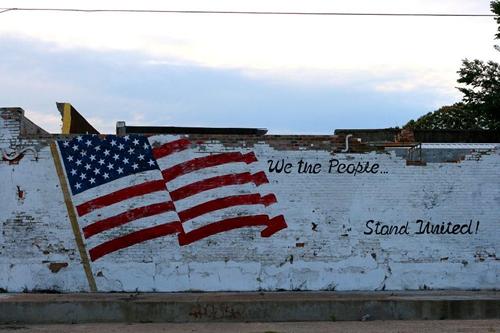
(119, 156)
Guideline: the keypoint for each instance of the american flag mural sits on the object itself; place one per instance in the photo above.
(126, 191)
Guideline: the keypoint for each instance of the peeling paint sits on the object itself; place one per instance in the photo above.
(20, 194)
(55, 267)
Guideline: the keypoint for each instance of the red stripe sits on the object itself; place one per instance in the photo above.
(258, 178)
(134, 238)
(126, 217)
(170, 147)
(206, 162)
(230, 224)
(235, 200)
(276, 224)
(120, 195)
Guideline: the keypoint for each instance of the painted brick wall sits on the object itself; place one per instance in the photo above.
(34, 240)
(329, 243)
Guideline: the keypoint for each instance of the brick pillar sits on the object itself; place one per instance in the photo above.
(406, 135)
(10, 126)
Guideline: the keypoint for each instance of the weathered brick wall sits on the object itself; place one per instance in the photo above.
(35, 238)
(329, 243)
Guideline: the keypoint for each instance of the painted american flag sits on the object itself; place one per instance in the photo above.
(125, 191)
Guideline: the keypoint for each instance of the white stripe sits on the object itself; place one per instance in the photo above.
(124, 206)
(219, 215)
(137, 225)
(179, 157)
(190, 154)
(116, 185)
(205, 173)
(161, 139)
(216, 193)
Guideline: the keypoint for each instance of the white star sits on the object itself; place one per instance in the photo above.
(120, 170)
(106, 152)
(110, 166)
(79, 138)
(135, 166)
(78, 185)
(116, 156)
(106, 175)
(151, 162)
(69, 158)
(73, 172)
(113, 142)
(65, 143)
(78, 162)
(101, 161)
(131, 151)
(97, 171)
(88, 143)
(135, 142)
(87, 166)
(75, 147)
(141, 157)
(126, 137)
(92, 157)
(125, 160)
(121, 146)
(83, 176)
(145, 146)
(83, 153)
(97, 148)
(92, 180)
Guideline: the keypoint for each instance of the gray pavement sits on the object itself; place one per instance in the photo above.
(429, 326)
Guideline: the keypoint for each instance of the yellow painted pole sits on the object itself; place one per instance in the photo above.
(72, 216)
(66, 127)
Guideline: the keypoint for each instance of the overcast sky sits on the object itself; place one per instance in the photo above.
(290, 74)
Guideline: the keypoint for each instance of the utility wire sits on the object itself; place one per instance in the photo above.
(159, 11)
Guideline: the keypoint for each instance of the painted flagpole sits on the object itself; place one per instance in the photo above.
(72, 217)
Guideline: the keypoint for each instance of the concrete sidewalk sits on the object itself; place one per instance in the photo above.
(247, 307)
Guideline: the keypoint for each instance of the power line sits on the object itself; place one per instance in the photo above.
(160, 11)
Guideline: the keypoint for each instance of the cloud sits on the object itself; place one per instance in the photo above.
(241, 70)
(277, 44)
(110, 86)
(50, 122)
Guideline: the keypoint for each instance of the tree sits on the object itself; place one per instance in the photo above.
(457, 116)
(482, 87)
(480, 106)
(495, 8)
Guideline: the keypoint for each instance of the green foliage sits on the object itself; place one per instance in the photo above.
(457, 116)
(482, 87)
(495, 8)
(480, 106)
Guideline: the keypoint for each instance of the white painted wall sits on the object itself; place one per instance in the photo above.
(35, 231)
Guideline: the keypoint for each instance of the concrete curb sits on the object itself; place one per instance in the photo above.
(247, 307)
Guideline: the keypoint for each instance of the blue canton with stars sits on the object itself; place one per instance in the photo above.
(91, 161)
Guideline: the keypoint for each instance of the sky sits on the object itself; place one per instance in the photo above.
(289, 74)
